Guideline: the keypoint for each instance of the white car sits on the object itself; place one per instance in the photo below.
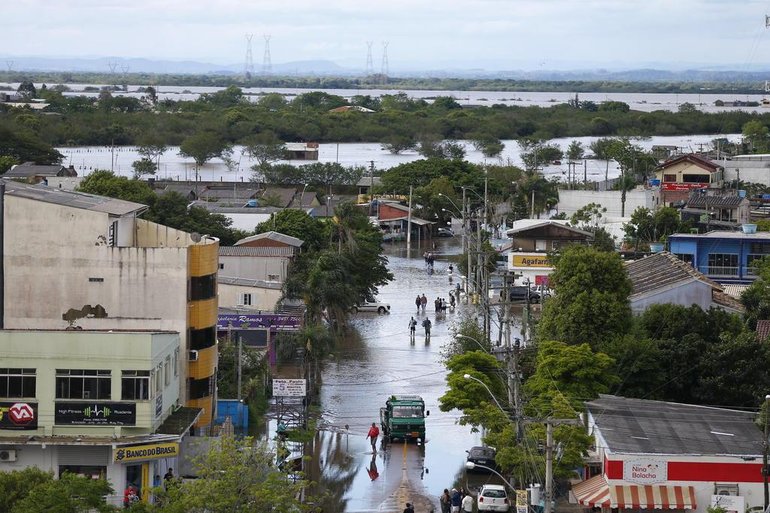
(373, 307)
(493, 498)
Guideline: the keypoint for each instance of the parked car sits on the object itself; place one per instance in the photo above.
(445, 232)
(372, 306)
(519, 293)
(493, 498)
(481, 455)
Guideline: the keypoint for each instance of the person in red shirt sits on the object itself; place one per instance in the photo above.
(373, 433)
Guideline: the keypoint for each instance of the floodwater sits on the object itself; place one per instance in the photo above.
(365, 370)
(86, 159)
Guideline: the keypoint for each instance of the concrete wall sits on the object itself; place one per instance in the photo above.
(686, 294)
(47, 351)
(570, 201)
(261, 298)
(254, 268)
(750, 169)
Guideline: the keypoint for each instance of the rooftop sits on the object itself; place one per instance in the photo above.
(244, 282)
(641, 426)
(662, 270)
(115, 207)
(721, 234)
(275, 236)
(693, 159)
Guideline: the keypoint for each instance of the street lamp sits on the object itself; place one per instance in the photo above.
(468, 376)
(471, 465)
(302, 198)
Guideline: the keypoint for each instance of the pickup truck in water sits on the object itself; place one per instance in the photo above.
(403, 418)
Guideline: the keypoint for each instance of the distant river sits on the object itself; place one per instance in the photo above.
(174, 167)
(646, 102)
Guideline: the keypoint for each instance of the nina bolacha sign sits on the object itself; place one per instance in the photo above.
(645, 471)
(95, 414)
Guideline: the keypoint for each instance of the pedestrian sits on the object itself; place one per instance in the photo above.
(418, 302)
(373, 433)
(451, 300)
(467, 503)
(130, 496)
(426, 324)
(437, 304)
(412, 328)
(423, 302)
(446, 501)
(451, 269)
(456, 500)
(408, 508)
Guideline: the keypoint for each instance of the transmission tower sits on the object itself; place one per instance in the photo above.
(10, 65)
(267, 65)
(113, 65)
(384, 66)
(369, 61)
(248, 66)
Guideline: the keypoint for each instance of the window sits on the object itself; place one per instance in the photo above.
(167, 371)
(135, 385)
(684, 257)
(83, 384)
(273, 277)
(723, 264)
(759, 248)
(17, 383)
(200, 388)
(696, 178)
(221, 267)
(669, 178)
(158, 379)
(244, 299)
(202, 338)
(203, 287)
(176, 362)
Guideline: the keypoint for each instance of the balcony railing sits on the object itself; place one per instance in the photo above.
(721, 270)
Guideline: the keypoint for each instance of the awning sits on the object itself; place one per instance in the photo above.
(595, 492)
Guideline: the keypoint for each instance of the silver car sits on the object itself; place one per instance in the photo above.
(372, 307)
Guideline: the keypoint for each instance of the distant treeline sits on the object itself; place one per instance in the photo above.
(387, 83)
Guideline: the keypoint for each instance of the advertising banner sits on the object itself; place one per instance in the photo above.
(145, 452)
(673, 186)
(18, 415)
(529, 260)
(289, 388)
(95, 414)
(267, 320)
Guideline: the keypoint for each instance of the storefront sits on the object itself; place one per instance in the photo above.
(666, 456)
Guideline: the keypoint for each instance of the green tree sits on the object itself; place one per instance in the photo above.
(22, 145)
(757, 135)
(398, 143)
(68, 494)
(756, 298)
(106, 183)
(575, 151)
(16, 485)
(173, 210)
(469, 396)
(143, 166)
(236, 476)
(265, 148)
(649, 226)
(27, 90)
(297, 223)
(591, 298)
(204, 146)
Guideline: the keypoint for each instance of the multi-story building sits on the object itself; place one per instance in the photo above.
(95, 403)
(70, 258)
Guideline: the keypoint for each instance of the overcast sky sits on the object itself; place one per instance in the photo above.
(422, 34)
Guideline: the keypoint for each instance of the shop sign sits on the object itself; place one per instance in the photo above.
(289, 388)
(18, 416)
(730, 503)
(159, 405)
(146, 452)
(530, 261)
(644, 471)
(522, 502)
(95, 414)
(272, 321)
(673, 186)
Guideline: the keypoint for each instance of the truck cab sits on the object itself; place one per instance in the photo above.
(403, 418)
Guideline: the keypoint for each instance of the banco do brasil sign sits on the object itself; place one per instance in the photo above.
(146, 452)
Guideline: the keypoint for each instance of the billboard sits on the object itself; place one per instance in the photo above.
(145, 452)
(19, 415)
(95, 414)
(267, 320)
(524, 260)
(673, 186)
(289, 388)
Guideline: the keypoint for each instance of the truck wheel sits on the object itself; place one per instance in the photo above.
(381, 310)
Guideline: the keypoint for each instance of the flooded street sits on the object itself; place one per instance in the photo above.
(366, 370)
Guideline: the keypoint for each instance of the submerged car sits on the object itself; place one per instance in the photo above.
(481, 455)
(493, 498)
(372, 307)
(520, 293)
(445, 232)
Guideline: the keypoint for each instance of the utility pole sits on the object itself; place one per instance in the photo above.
(486, 184)
(764, 453)
(409, 226)
(549, 424)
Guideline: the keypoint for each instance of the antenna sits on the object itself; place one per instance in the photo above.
(248, 66)
(384, 66)
(267, 65)
(369, 62)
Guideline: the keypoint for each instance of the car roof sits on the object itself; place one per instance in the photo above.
(493, 487)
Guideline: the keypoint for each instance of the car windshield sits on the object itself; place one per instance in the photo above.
(407, 411)
(494, 494)
(482, 453)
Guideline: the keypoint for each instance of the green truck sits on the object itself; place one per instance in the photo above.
(403, 418)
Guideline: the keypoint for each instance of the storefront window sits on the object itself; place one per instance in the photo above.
(94, 472)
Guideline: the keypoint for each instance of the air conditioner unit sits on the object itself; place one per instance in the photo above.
(7, 455)
(193, 356)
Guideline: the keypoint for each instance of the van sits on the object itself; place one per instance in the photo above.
(520, 293)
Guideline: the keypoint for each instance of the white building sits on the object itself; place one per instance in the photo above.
(654, 455)
(748, 168)
(95, 403)
(570, 201)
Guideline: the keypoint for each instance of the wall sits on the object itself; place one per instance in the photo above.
(753, 170)
(254, 268)
(685, 294)
(571, 201)
(47, 351)
(262, 298)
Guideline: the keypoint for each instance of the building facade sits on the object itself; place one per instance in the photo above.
(74, 259)
(681, 175)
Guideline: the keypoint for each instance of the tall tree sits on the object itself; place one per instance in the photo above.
(204, 146)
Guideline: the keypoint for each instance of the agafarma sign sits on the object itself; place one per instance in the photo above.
(95, 414)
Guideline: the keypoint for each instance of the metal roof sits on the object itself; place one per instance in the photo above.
(260, 251)
(262, 284)
(112, 206)
(641, 426)
(721, 234)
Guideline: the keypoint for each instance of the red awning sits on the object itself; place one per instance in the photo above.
(595, 492)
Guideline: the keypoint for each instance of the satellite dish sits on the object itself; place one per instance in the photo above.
(195, 236)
